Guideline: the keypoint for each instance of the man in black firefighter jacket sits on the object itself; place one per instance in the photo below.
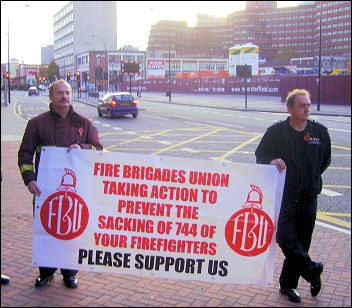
(303, 148)
(61, 126)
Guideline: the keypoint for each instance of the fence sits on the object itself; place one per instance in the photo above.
(335, 90)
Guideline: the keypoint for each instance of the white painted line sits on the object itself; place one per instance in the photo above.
(11, 137)
(189, 150)
(116, 128)
(222, 160)
(165, 142)
(106, 125)
(330, 193)
(333, 227)
(340, 130)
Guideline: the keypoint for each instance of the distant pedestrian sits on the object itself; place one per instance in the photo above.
(61, 127)
(303, 148)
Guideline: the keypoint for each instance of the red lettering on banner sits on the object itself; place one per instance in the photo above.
(144, 208)
(106, 169)
(154, 174)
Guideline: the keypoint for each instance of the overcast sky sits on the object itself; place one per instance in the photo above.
(31, 22)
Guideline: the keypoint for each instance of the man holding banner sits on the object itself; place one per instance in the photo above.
(303, 148)
(61, 126)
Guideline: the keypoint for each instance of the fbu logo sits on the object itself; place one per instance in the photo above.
(64, 214)
(249, 231)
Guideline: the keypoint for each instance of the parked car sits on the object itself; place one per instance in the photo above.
(117, 104)
(33, 91)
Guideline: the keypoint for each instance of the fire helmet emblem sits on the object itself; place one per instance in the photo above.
(68, 181)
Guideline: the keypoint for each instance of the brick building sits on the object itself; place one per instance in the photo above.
(273, 29)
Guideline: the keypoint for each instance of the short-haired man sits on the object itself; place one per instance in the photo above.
(303, 148)
(61, 126)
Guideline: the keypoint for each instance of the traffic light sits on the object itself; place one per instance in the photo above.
(40, 78)
(43, 78)
(68, 75)
(7, 75)
(78, 75)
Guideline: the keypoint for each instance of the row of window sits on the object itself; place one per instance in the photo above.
(63, 12)
(64, 42)
(68, 19)
(292, 44)
(289, 31)
(333, 33)
(64, 32)
(341, 9)
(292, 24)
(63, 53)
(329, 19)
(341, 24)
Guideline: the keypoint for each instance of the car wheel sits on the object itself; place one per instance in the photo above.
(134, 115)
(99, 113)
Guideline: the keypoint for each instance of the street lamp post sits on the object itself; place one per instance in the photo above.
(8, 57)
(106, 59)
(319, 74)
(169, 67)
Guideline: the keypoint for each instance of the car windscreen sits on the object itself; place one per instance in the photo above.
(123, 97)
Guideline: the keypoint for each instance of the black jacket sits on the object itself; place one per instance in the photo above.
(306, 157)
(50, 129)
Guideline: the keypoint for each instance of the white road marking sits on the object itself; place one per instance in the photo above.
(146, 137)
(340, 130)
(189, 150)
(117, 128)
(330, 193)
(333, 227)
(165, 142)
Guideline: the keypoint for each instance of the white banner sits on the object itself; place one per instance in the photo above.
(157, 216)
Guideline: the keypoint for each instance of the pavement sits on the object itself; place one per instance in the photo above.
(233, 102)
(330, 246)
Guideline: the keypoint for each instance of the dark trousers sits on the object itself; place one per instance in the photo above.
(294, 235)
(47, 271)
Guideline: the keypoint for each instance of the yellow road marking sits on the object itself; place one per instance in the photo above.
(339, 168)
(139, 138)
(329, 217)
(19, 110)
(238, 147)
(187, 141)
(337, 186)
(341, 148)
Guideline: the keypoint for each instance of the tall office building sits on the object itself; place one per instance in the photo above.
(81, 26)
(273, 29)
(47, 54)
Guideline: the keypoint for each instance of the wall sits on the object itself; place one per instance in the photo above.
(335, 90)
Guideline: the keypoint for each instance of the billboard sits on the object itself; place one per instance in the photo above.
(156, 68)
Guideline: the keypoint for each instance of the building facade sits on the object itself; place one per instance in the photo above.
(92, 66)
(274, 30)
(47, 54)
(80, 26)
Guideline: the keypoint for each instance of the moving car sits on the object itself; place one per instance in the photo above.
(33, 91)
(117, 104)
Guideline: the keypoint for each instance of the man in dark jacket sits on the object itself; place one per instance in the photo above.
(303, 148)
(61, 127)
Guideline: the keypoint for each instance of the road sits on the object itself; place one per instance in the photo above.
(203, 133)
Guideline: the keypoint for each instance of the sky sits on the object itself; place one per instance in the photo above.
(30, 23)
